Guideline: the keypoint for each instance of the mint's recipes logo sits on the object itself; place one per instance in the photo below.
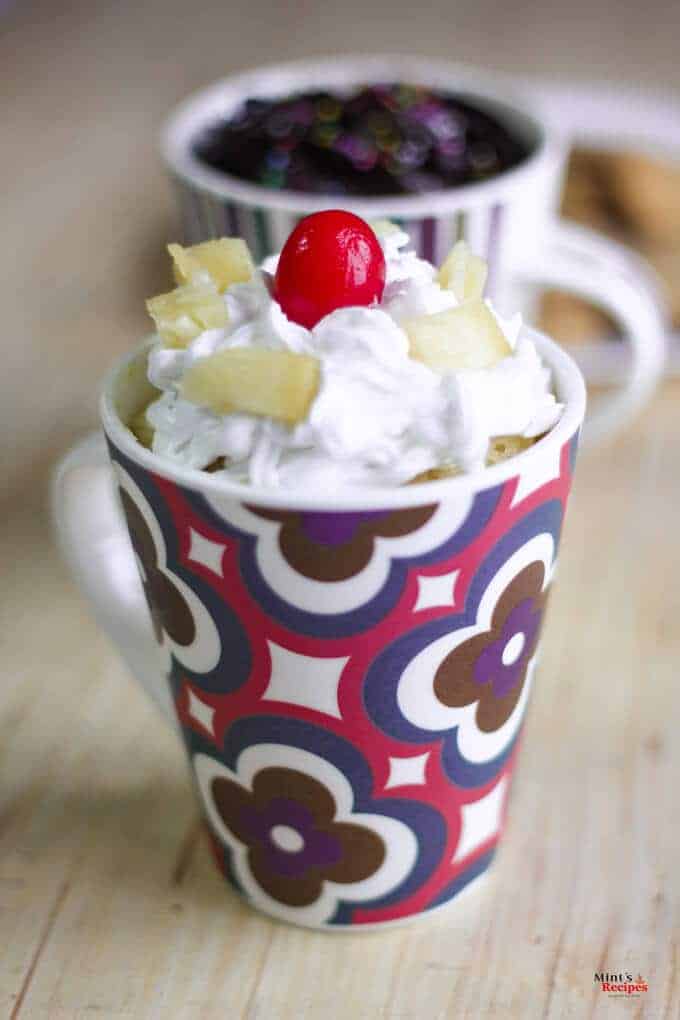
(621, 985)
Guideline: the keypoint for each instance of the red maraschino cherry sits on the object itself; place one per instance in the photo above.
(331, 260)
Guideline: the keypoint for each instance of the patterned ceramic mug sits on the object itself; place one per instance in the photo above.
(509, 219)
(349, 674)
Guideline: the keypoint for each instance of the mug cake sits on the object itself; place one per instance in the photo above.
(345, 360)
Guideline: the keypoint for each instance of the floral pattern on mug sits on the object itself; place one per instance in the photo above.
(354, 764)
(182, 625)
(465, 678)
(335, 574)
(490, 668)
(294, 844)
(169, 609)
(335, 547)
(299, 848)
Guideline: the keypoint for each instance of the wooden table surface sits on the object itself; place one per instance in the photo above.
(109, 902)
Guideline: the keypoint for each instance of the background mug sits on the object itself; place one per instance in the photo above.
(510, 219)
(349, 674)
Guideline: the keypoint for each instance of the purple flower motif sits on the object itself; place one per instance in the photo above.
(285, 830)
(503, 662)
(336, 546)
(294, 842)
(337, 529)
(491, 668)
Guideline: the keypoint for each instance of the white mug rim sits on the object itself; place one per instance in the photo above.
(569, 387)
(183, 124)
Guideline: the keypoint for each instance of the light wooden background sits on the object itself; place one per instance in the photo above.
(109, 902)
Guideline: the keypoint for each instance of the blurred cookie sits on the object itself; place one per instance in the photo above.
(634, 199)
(585, 197)
(646, 194)
(666, 261)
(570, 320)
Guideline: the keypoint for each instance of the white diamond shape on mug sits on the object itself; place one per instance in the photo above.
(208, 554)
(480, 820)
(202, 713)
(436, 591)
(305, 680)
(407, 771)
(544, 466)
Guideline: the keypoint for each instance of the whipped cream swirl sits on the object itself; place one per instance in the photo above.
(379, 418)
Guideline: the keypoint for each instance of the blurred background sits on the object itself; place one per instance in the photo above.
(86, 209)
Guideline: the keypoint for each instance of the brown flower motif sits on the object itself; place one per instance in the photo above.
(294, 844)
(336, 546)
(169, 610)
(491, 668)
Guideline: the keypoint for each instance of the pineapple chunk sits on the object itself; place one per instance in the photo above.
(142, 429)
(383, 228)
(186, 311)
(502, 447)
(276, 384)
(463, 273)
(220, 262)
(467, 336)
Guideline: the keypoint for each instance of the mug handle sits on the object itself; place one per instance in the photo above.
(94, 541)
(576, 259)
